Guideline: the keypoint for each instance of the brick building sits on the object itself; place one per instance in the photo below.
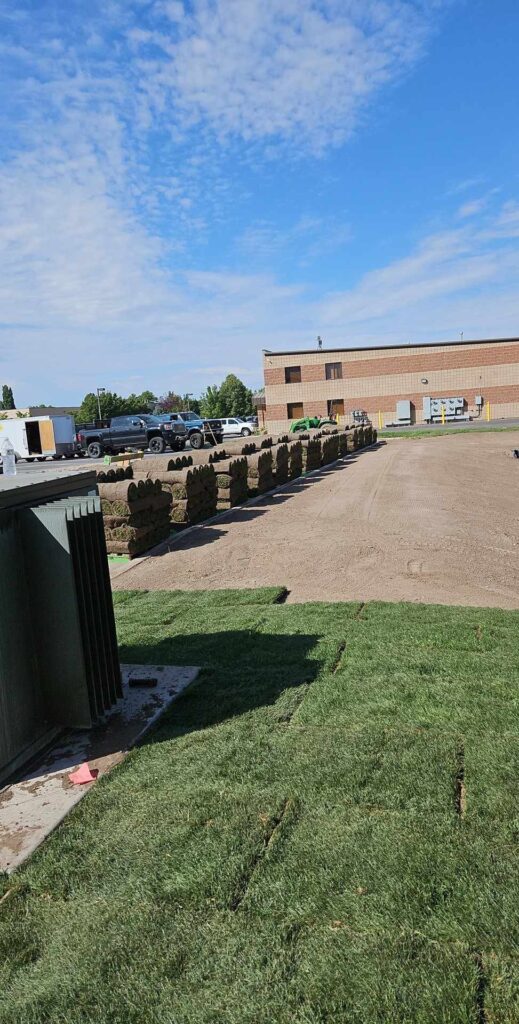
(318, 382)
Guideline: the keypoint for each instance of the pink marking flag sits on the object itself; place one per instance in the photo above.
(83, 774)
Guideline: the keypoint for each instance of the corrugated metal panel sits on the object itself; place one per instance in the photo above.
(61, 616)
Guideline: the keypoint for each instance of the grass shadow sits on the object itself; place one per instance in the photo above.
(229, 661)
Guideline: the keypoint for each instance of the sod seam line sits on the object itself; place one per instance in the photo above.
(460, 790)
(244, 882)
(287, 718)
(161, 548)
(481, 988)
(338, 658)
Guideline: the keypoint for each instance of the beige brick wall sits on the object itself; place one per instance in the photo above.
(376, 380)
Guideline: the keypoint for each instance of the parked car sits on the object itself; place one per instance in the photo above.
(253, 420)
(198, 430)
(127, 433)
(233, 426)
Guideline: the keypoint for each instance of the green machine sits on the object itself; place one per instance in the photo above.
(310, 422)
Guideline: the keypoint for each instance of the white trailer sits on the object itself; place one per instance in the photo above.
(40, 437)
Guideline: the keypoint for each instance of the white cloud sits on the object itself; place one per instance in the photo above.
(282, 69)
(472, 207)
(459, 279)
(308, 239)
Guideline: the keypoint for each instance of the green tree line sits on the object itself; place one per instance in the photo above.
(230, 398)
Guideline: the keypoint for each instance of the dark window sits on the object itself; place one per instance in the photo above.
(333, 371)
(335, 407)
(292, 374)
(295, 410)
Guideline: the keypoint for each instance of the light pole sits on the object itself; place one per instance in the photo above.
(188, 397)
(100, 391)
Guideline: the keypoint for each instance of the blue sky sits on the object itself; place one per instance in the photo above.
(186, 182)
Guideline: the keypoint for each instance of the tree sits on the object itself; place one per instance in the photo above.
(171, 402)
(235, 397)
(210, 405)
(113, 404)
(7, 398)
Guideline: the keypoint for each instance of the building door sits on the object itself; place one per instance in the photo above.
(336, 407)
(295, 411)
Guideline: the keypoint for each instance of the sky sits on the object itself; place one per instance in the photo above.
(184, 183)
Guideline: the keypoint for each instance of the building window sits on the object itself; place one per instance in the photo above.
(335, 407)
(292, 374)
(295, 411)
(333, 371)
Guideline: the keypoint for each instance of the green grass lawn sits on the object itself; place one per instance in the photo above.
(412, 432)
(324, 830)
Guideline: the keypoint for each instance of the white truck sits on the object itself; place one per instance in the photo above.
(40, 437)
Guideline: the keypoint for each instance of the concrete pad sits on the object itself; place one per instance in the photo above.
(34, 804)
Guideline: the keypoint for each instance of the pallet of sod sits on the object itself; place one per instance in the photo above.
(260, 475)
(135, 516)
(205, 458)
(231, 480)
(114, 474)
(280, 463)
(153, 469)
(295, 459)
(194, 494)
(237, 446)
(329, 449)
(343, 443)
(311, 451)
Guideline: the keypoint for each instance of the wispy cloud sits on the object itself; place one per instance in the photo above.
(459, 279)
(308, 239)
(261, 69)
(472, 207)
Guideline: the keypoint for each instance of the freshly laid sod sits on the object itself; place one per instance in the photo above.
(324, 830)
(411, 432)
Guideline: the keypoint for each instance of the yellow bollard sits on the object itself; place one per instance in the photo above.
(379, 420)
(488, 412)
(443, 415)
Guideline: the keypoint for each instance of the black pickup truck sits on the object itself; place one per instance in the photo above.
(127, 433)
(199, 431)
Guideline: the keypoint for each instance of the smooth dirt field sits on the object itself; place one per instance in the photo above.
(431, 520)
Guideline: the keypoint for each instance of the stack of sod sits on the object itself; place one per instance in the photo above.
(311, 450)
(154, 468)
(343, 444)
(205, 458)
(237, 446)
(260, 476)
(280, 463)
(210, 488)
(115, 473)
(193, 492)
(295, 459)
(231, 480)
(329, 449)
(135, 515)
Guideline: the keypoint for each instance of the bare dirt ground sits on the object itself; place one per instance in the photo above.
(433, 519)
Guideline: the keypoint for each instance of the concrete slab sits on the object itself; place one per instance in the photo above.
(34, 804)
